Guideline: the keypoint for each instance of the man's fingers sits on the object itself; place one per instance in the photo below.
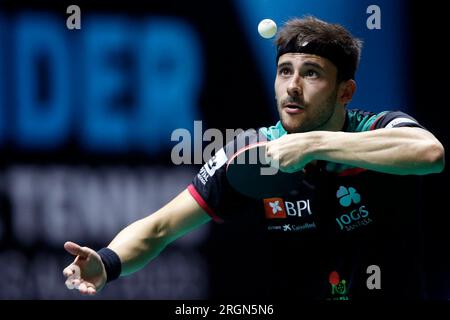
(69, 284)
(272, 156)
(87, 288)
(91, 291)
(76, 283)
(82, 287)
(267, 155)
(67, 272)
(72, 271)
(75, 249)
(72, 283)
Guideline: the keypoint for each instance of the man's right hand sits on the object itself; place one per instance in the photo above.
(86, 273)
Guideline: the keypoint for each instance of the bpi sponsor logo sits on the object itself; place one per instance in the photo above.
(277, 208)
(274, 208)
(357, 217)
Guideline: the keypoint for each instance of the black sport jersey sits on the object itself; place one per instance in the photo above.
(340, 235)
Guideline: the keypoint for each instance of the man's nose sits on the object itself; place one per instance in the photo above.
(294, 88)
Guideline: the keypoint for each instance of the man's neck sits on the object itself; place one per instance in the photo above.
(337, 121)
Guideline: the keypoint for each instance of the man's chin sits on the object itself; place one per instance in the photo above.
(292, 127)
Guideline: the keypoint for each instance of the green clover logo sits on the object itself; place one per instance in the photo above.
(346, 196)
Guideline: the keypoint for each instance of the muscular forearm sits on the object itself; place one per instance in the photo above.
(143, 240)
(395, 151)
(139, 243)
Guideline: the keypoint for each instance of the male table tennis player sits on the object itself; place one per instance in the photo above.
(353, 218)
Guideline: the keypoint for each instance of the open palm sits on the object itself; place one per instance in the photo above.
(86, 273)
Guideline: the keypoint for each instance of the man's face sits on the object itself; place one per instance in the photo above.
(306, 92)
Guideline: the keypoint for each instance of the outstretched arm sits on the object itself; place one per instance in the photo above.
(400, 151)
(136, 245)
(144, 239)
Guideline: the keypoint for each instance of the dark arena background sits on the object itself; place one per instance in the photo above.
(86, 117)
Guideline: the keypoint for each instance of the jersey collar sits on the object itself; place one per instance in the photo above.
(274, 132)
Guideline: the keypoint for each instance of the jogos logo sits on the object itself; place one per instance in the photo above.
(355, 218)
(277, 208)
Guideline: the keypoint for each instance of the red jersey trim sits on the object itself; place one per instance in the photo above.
(351, 172)
(202, 203)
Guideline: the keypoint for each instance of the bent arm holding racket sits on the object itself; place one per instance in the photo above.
(402, 151)
(136, 245)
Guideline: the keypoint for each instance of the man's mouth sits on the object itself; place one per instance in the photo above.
(293, 108)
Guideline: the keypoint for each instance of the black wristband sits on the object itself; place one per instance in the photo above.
(112, 263)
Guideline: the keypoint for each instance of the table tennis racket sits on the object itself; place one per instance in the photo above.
(249, 172)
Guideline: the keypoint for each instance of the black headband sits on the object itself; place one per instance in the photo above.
(330, 50)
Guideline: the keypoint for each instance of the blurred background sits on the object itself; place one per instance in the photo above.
(86, 117)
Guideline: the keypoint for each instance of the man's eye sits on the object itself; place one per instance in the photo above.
(311, 74)
(284, 71)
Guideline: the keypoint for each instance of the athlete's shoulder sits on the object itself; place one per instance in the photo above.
(396, 119)
(358, 120)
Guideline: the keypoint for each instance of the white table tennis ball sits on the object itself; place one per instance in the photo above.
(267, 28)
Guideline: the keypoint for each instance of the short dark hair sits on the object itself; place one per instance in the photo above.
(314, 36)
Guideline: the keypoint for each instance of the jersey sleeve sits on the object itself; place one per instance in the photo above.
(210, 187)
(395, 119)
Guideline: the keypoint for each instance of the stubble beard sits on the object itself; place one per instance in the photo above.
(314, 119)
